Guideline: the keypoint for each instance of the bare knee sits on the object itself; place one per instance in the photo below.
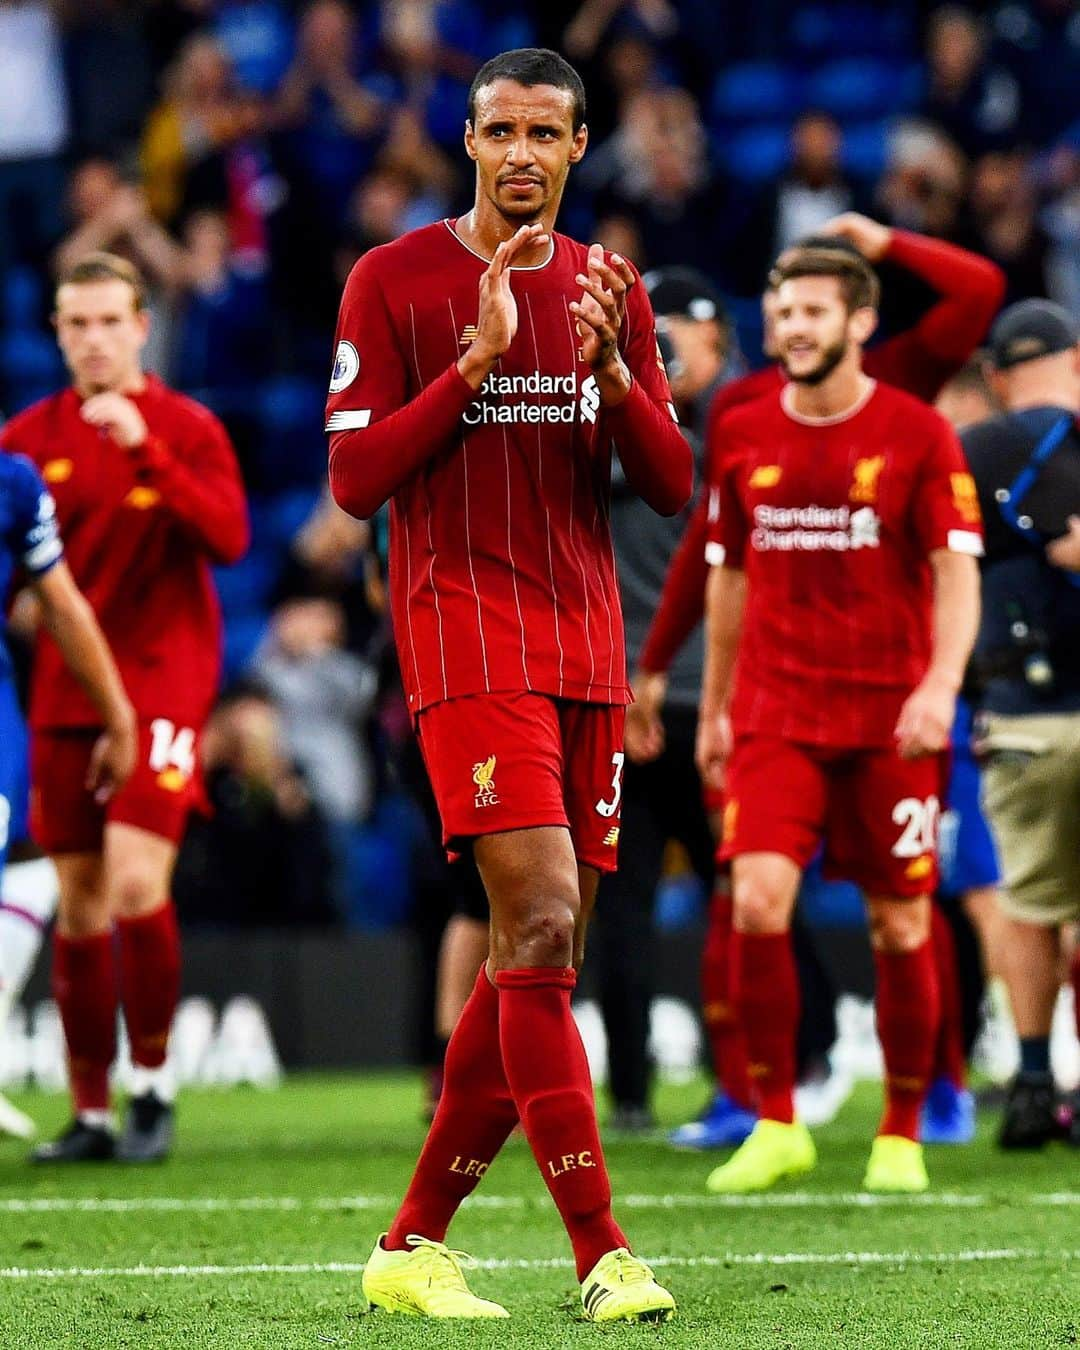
(134, 889)
(899, 925)
(83, 907)
(541, 935)
(764, 895)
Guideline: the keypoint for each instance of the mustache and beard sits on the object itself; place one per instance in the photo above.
(830, 358)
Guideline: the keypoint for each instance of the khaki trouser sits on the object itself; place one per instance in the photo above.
(1031, 794)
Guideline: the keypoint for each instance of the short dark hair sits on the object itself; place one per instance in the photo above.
(859, 283)
(105, 267)
(530, 66)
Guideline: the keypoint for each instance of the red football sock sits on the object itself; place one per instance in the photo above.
(474, 1116)
(84, 986)
(908, 1009)
(149, 982)
(949, 1060)
(765, 986)
(727, 1040)
(548, 1075)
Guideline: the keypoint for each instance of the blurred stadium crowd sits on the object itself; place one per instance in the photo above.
(244, 153)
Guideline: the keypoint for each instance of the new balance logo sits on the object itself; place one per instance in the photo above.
(590, 399)
(469, 334)
(612, 837)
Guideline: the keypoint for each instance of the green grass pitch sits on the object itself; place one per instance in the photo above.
(254, 1233)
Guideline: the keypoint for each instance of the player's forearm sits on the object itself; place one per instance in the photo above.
(655, 456)
(725, 605)
(68, 619)
(682, 601)
(209, 504)
(368, 465)
(956, 617)
(970, 289)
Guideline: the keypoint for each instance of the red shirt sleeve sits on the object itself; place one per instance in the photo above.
(681, 606)
(655, 455)
(378, 437)
(200, 486)
(946, 502)
(970, 290)
(728, 527)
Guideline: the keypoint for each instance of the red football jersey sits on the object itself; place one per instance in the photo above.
(920, 360)
(140, 529)
(502, 573)
(834, 522)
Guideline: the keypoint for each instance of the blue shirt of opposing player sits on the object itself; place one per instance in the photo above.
(29, 539)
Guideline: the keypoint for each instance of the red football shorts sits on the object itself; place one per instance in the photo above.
(876, 813)
(158, 797)
(521, 760)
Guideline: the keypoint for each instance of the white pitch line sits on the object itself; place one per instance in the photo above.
(778, 1200)
(972, 1256)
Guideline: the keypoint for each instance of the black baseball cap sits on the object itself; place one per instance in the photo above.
(1031, 329)
(686, 293)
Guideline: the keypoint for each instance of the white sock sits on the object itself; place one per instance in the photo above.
(160, 1081)
(98, 1120)
(27, 904)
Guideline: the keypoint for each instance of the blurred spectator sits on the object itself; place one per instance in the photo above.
(655, 168)
(222, 321)
(976, 103)
(923, 186)
(257, 36)
(436, 46)
(331, 558)
(261, 856)
(1039, 41)
(198, 115)
(1061, 221)
(111, 215)
(387, 203)
(1004, 224)
(334, 117)
(325, 694)
(968, 398)
(33, 131)
(110, 73)
(814, 189)
(620, 234)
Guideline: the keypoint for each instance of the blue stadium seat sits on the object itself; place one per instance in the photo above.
(865, 151)
(858, 87)
(275, 520)
(243, 633)
(292, 447)
(30, 365)
(756, 91)
(757, 153)
(246, 587)
(819, 32)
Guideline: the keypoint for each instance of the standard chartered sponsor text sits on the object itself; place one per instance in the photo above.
(814, 529)
(496, 386)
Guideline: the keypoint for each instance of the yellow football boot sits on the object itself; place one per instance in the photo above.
(621, 1288)
(772, 1151)
(896, 1167)
(425, 1282)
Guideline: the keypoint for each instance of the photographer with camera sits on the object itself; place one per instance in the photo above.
(1026, 466)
